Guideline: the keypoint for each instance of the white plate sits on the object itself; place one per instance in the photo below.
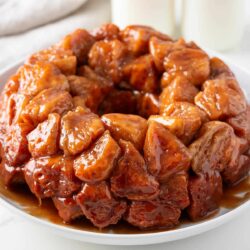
(184, 231)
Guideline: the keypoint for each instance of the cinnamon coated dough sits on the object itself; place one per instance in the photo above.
(125, 125)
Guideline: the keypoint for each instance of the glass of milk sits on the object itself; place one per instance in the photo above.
(158, 14)
(215, 24)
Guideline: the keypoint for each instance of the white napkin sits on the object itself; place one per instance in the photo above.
(15, 47)
(20, 15)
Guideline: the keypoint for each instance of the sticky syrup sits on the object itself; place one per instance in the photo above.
(23, 198)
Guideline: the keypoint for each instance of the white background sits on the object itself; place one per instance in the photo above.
(18, 234)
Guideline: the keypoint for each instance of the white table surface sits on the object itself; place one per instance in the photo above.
(18, 234)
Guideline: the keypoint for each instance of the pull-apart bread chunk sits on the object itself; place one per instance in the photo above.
(125, 124)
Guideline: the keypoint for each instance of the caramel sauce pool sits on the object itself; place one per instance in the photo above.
(235, 196)
(20, 195)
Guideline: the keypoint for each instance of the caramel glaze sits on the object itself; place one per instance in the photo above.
(20, 195)
(236, 195)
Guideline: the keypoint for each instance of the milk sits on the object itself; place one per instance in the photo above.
(158, 14)
(215, 24)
